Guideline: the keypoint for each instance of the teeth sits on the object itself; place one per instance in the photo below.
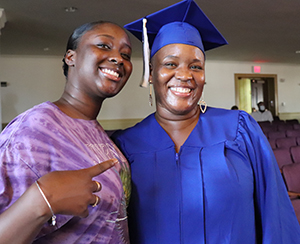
(111, 72)
(181, 89)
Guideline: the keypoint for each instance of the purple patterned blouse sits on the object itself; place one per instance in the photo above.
(44, 139)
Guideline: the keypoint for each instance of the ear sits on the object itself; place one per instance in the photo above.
(70, 57)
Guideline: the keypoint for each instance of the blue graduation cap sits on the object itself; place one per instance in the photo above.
(183, 22)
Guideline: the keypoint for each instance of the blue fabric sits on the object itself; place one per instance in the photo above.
(177, 32)
(224, 185)
(186, 11)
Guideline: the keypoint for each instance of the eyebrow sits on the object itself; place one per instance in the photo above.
(112, 37)
(174, 56)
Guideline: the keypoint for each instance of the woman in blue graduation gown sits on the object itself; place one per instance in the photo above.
(200, 175)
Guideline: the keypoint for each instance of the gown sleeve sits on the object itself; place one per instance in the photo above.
(274, 212)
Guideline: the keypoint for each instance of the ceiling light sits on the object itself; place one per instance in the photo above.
(298, 52)
(70, 9)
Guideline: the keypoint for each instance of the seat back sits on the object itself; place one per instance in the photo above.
(298, 140)
(292, 133)
(285, 127)
(286, 142)
(291, 121)
(267, 129)
(272, 143)
(291, 176)
(283, 157)
(295, 153)
(276, 134)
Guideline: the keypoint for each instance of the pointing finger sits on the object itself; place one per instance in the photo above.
(100, 168)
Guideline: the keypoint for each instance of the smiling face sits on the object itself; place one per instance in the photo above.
(178, 78)
(100, 66)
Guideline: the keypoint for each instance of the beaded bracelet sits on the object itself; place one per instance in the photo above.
(53, 218)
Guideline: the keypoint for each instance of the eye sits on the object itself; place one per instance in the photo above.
(196, 67)
(103, 46)
(126, 56)
(170, 65)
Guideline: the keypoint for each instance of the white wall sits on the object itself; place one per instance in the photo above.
(32, 80)
(220, 89)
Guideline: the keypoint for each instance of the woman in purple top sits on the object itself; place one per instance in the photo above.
(52, 154)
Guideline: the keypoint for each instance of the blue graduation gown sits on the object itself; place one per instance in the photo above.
(224, 185)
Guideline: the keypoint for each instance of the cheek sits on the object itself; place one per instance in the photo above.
(128, 68)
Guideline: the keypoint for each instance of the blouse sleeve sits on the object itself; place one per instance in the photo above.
(275, 212)
(16, 174)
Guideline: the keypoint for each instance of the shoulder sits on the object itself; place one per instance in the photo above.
(224, 124)
(137, 138)
(43, 110)
(139, 130)
(32, 124)
(21, 122)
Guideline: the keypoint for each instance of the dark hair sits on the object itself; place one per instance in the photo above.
(75, 37)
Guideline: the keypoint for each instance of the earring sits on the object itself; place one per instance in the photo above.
(202, 103)
(150, 93)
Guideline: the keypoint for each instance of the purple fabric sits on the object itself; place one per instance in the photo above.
(43, 139)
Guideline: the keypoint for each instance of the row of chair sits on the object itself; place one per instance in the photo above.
(284, 138)
(282, 134)
(290, 174)
(284, 142)
(279, 121)
(279, 127)
(286, 156)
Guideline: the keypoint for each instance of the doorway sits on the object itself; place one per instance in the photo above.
(253, 88)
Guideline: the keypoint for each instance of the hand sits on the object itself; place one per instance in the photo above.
(70, 192)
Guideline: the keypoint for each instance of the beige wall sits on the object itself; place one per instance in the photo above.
(32, 80)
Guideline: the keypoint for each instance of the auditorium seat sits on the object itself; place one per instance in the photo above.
(267, 129)
(276, 134)
(295, 153)
(272, 143)
(298, 140)
(296, 126)
(285, 127)
(291, 121)
(278, 122)
(283, 156)
(291, 176)
(286, 142)
(292, 133)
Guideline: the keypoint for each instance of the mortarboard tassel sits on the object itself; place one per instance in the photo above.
(146, 56)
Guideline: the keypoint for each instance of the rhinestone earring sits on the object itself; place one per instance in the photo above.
(202, 103)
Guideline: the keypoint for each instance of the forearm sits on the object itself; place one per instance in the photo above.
(23, 220)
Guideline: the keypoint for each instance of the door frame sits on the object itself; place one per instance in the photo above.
(255, 76)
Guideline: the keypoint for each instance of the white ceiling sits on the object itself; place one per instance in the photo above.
(257, 30)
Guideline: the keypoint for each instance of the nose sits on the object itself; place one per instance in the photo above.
(116, 59)
(183, 74)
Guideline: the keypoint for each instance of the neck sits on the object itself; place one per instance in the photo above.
(178, 127)
(79, 108)
(179, 121)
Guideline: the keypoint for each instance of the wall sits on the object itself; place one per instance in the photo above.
(32, 80)
(220, 90)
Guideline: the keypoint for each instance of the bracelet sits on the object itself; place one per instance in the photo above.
(53, 218)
